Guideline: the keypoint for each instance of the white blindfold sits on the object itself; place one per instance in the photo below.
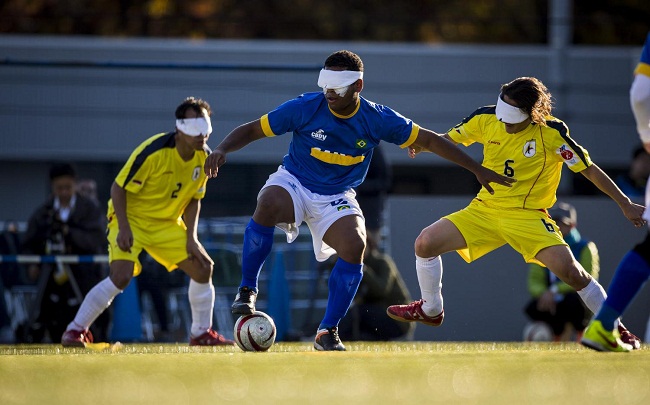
(195, 126)
(509, 114)
(335, 79)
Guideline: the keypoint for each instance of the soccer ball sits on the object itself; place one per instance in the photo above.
(255, 332)
(538, 332)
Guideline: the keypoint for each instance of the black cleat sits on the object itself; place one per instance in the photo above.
(328, 340)
(244, 303)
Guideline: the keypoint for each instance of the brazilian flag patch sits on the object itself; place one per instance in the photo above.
(342, 207)
(361, 143)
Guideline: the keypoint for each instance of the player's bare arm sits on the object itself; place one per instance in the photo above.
(124, 235)
(195, 249)
(415, 149)
(600, 179)
(442, 146)
(235, 140)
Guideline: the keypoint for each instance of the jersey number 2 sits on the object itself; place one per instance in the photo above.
(178, 188)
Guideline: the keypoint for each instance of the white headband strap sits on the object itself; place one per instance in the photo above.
(195, 126)
(334, 79)
(509, 114)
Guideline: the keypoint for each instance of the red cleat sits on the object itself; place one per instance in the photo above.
(413, 313)
(629, 337)
(76, 338)
(210, 338)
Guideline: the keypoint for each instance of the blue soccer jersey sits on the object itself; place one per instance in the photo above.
(330, 153)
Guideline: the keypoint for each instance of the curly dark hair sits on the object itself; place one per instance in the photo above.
(195, 104)
(344, 59)
(532, 96)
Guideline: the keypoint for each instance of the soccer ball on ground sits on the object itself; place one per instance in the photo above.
(538, 332)
(255, 332)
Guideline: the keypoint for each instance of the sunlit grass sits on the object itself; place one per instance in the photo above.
(293, 373)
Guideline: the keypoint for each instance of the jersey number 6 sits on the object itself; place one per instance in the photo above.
(507, 170)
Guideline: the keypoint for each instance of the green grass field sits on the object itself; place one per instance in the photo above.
(292, 373)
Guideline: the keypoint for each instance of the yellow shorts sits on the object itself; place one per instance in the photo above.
(488, 228)
(165, 241)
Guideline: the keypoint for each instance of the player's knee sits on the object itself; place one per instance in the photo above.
(121, 277)
(267, 205)
(203, 273)
(425, 245)
(352, 250)
(358, 246)
(272, 208)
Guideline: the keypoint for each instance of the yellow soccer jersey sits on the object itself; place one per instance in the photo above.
(533, 157)
(159, 183)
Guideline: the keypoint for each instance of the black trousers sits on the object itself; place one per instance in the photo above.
(570, 310)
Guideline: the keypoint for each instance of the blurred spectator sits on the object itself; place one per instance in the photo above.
(67, 223)
(88, 188)
(554, 302)
(381, 286)
(634, 181)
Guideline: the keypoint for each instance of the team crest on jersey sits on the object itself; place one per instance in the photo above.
(361, 143)
(530, 148)
(196, 173)
(319, 135)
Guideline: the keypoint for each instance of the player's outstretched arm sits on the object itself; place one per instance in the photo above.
(600, 179)
(235, 140)
(428, 140)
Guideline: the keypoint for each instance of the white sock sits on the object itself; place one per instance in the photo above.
(201, 297)
(95, 302)
(429, 272)
(593, 295)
